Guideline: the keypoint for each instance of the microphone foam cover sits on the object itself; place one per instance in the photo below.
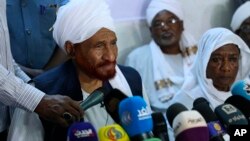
(112, 101)
(190, 123)
(135, 116)
(241, 103)
(112, 132)
(202, 106)
(241, 88)
(173, 111)
(82, 131)
(230, 115)
(159, 123)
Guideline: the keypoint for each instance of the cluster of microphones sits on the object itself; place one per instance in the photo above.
(135, 122)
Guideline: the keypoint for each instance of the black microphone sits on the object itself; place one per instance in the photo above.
(160, 129)
(111, 102)
(230, 115)
(241, 103)
(94, 98)
(215, 128)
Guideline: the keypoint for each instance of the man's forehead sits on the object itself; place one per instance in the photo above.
(104, 33)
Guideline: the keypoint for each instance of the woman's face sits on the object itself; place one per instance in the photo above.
(223, 66)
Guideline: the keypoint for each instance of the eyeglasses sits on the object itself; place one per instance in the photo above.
(245, 28)
(169, 22)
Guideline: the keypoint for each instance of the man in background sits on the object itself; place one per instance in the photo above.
(30, 26)
(240, 23)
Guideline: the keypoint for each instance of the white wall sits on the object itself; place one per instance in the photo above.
(132, 30)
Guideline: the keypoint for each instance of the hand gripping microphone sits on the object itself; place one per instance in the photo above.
(94, 98)
(241, 103)
(230, 115)
(187, 125)
(241, 88)
(81, 131)
(112, 132)
(136, 118)
(111, 102)
(216, 131)
(160, 129)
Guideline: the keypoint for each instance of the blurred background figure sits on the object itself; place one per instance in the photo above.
(240, 23)
(30, 26)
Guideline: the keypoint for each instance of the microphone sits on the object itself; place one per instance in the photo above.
(230, 115)
(111, 102)
(81, 131)
(241, 88)
(160, 129)
(94, 98)
(241, 103)
(173, 111)
(136, 118)
(187, 125)
(112, 132)
(215, 128)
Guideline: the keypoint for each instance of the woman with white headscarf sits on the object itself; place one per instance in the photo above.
(219, 62)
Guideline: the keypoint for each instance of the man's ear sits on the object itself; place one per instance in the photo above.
(69, 48)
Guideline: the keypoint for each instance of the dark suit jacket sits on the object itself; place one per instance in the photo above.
(64, 80)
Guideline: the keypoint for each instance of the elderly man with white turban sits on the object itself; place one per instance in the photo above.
(240, 23)
(164, 63)
(84, 29)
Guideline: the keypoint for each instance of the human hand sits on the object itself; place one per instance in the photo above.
(54, 107)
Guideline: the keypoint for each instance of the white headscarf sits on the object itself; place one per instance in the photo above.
(210, 41)
(240, 15)
(78, 20)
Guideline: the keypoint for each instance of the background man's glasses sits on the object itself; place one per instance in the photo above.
(169, 22)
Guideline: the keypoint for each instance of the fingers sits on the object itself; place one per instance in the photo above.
(73, 108)
(54, 107)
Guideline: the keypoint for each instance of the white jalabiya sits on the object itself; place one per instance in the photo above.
(79, 20)
(197, 85)
(240, 15)
(28, 127)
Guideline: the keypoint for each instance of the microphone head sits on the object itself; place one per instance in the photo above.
(230, 115)
(111, 102)
(190, 126)
(241, 88)
(173, 111)
(82, 131)
(216, 130)
(202, 106)
(159, 123)
(241, 103)
(112, 132)
(135, 116)
(94, 98)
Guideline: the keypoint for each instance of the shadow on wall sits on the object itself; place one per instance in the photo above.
(221, 14)
(130, 35)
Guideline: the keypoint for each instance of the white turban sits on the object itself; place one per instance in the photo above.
(79, 20)
(156, 6)
(240, 15)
